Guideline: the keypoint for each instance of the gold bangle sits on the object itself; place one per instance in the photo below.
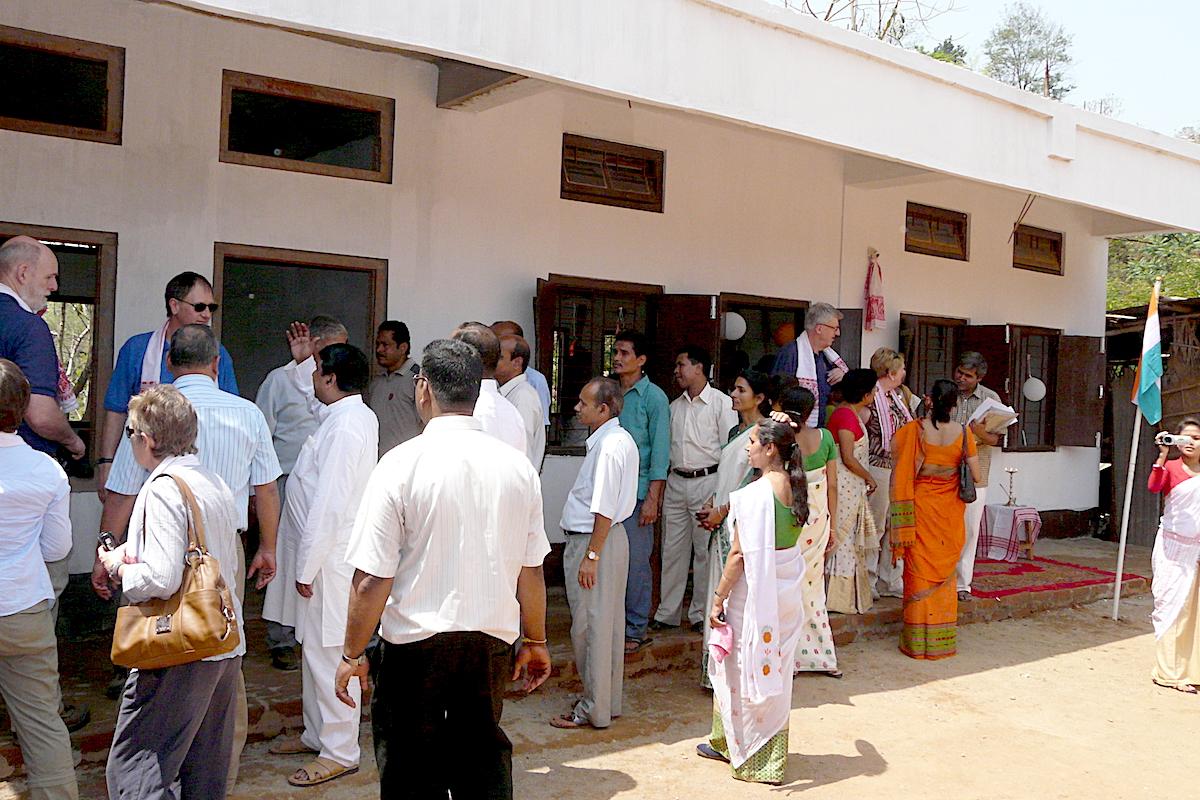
(527, 640)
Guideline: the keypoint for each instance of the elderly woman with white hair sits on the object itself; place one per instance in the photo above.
(175, 724)
(811, 359)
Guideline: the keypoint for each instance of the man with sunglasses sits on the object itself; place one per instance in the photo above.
(142, 361)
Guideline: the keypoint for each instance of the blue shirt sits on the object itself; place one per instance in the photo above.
(538, 381)
(126, 380)
(25, 340)
(788, 361)
(647, 416)
(233, 441)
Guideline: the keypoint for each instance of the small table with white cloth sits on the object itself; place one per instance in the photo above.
(1005, 531)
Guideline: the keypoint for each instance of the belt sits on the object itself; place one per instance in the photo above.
(695, 473)
(577, 533)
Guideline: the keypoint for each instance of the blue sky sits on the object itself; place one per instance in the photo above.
(1144, 54)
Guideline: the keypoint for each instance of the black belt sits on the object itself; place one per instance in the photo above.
(577, 533)
(695, 473)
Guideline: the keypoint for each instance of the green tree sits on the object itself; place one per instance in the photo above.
(1134, 262)
(947, 51)
(1029, 51)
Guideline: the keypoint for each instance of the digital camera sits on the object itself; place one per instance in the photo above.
(1165, 439)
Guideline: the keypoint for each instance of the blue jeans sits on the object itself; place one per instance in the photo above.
(639, 589)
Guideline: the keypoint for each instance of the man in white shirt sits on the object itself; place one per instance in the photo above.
(291, 422)
(35, 528)
(496, 414)
(449, 537)
(701, 418)
(233, 442)
(596, 561)
(536, 379)
(511, 375)
(323, 497)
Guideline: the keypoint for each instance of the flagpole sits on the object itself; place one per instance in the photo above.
(1133, 448)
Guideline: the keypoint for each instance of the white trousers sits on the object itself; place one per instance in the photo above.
(885, 579)
(683, 541)
(966, 562)
(329, 725)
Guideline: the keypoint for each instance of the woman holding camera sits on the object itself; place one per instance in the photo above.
(1176, 614)
(175, 725)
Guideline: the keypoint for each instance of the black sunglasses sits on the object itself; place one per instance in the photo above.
(129, 431)
(201, 306)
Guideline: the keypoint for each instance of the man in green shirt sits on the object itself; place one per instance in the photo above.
(648, 419)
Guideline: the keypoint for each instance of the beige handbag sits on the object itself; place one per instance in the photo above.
(196, 622)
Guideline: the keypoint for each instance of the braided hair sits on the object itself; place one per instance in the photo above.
(783, 437)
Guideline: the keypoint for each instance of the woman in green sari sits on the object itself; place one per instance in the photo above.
(749, 396)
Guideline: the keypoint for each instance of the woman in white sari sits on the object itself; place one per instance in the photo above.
(749, 395)
(758, 612)
(849, 587)
(1176, 591)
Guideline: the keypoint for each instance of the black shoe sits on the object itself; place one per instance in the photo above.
(655, 625)
(697, 627)
(75, 717)
(117, 685)
(706, 750)
(284, 658)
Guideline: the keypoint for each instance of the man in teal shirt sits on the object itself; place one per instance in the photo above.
(647, 417)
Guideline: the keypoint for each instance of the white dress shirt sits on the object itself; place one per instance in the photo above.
(607, 482)
(700, 427)
(521, 394)
(498, 416)
(233, 441)
(35, 523)
(158, 535)
(452, 515)
(288, 416)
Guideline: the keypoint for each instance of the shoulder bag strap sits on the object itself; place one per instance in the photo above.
(195, 520)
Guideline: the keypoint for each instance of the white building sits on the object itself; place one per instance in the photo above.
(789, 147)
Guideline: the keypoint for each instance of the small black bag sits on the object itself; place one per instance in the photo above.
(966, 484)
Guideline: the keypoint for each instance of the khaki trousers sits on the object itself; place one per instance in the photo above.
(241, 723)
(29, 685)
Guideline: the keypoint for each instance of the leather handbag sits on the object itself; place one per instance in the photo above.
(966, 483)
(196, 622)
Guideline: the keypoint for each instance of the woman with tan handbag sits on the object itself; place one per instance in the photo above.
(175, 723)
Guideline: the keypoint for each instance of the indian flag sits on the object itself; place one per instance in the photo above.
(1147, 383)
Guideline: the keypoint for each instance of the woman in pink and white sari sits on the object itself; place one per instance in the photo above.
(758, 611)
(1176, 591)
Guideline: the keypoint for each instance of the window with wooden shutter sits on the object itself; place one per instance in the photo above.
(1079, 392)
(1035, 358)
(771, 323)
(682, 320)
(929, 346)
(611, 173)
(936, 232)
(1038, 250)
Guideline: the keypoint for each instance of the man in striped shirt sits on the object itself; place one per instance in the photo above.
(234, 442)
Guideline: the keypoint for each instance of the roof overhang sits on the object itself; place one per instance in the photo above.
(756, 64)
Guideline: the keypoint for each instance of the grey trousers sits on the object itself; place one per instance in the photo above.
(174, 733)
(241, 713)
(29, 685)
(598, 624)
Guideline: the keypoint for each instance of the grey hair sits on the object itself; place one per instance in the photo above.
(194, 346)
(454, 370)
(971, 359)
(324, 327)
(820, 314)
(17, 251)
(608, 393)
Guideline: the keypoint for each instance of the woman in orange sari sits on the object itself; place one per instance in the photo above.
(927, 523)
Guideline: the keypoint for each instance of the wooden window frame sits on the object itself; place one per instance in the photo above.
(1020, 262)
(305, 258)
(914, 375)
(384, 106)
(103, 330)
(614, 197)
(938, 215)
(114, 110)
(1017, 378)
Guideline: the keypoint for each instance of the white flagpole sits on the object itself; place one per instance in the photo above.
(1133, 448)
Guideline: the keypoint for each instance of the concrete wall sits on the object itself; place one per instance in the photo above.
(473, 217)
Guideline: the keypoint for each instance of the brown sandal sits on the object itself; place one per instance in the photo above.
(291, 746)
(319, 770)
(570, 721)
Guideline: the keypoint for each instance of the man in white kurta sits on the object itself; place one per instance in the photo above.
(596, 561)
(511, 375)
(323, 496)
(290, 420)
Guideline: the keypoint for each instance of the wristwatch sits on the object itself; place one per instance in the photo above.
(592, 555)
(356, 662)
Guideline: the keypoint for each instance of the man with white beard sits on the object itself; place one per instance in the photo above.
(323, 495)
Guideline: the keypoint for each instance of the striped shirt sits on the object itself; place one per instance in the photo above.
(233, 441)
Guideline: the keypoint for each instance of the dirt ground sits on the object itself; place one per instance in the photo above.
(1058, 705)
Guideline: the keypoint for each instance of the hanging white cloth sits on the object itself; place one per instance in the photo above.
(806, 371)
(152, 358)
(765, 611)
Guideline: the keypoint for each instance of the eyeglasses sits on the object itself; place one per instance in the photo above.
(837, 329)
(420, 378)
(201, 306)
(130, 432)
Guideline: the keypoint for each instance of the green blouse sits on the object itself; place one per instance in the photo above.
(787, 530)
(825, 453)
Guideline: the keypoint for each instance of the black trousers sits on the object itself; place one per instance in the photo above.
(435, 716)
